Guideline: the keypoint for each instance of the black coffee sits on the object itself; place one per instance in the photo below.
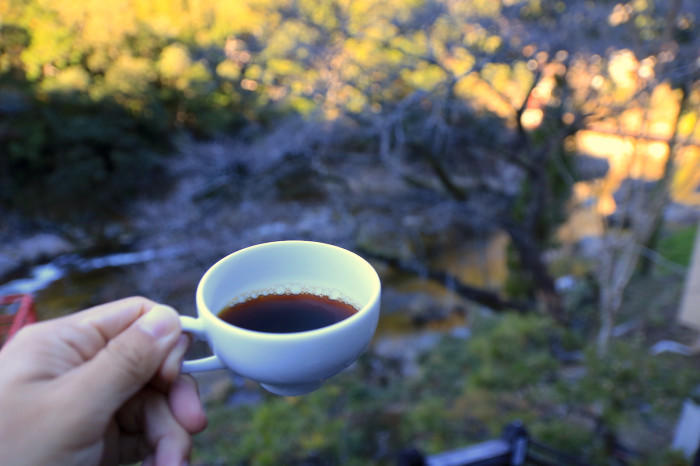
(286, 313)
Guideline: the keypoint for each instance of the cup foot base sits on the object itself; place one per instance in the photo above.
(291, 389)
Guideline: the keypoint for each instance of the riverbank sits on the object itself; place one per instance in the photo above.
(443, 371)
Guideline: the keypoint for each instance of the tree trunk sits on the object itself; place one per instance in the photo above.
(531, 260)
(663, 187)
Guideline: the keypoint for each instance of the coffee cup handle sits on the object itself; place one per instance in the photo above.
(210, 363)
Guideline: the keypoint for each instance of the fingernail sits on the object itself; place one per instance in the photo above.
(159, 321)
(183, 342)
(181, 347)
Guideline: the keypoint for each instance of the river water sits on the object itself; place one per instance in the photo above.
(415, 310)
(68, 282)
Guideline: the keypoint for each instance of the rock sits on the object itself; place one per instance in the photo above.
(631, 198)
(682, 214)
(245, 396)
(220, 390)
(37, 248)
(461, 332)
(40, 247)
(406, 302)
(590, 168)
(380, 238)
(669, 346)
(406, 349)
(13, 102)
(631, 188)
(7, 265)
(565, 283)
(589, 247)
(214, 386)
(297, 180)
(687, 435)
(573, 374)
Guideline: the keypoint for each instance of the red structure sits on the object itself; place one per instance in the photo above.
(11, 322)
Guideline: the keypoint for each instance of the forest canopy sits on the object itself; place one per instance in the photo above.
(148, 67)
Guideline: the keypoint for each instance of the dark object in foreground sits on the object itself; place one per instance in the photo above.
(514, 448)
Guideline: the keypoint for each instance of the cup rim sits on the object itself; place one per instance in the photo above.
(202, 306)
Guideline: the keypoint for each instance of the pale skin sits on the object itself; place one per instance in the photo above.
(99, 387)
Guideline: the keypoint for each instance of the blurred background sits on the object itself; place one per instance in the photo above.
(524, 174)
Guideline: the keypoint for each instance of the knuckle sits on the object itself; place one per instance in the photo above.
(28, 336)
(29, 332)
(139, 301)
(130, 361)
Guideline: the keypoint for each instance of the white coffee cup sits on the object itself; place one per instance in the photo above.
(285, 363)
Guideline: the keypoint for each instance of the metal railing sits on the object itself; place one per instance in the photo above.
(16, 311)
(514, 448)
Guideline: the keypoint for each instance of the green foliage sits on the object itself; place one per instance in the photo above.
(282, 428)
(68, 153)
(519, 282)
(627, 381)
(567, 435)
(71, 79)
(327, 423)
(464, 392)
(129, 76)
(13, 39)
(210, 66)
(522, 359)
(173, 62)
(677, 246)
(664, 456)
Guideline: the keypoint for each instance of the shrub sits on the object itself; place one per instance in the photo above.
(68, 153)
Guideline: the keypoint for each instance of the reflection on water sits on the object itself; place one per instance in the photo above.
(41, 277)
(72, 282)
(411, 302)
(79, 290)
(416, 311)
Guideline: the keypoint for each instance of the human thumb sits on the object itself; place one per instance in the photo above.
(128, 361)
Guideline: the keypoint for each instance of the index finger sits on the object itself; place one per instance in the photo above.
(90, 330)
(112, 318)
